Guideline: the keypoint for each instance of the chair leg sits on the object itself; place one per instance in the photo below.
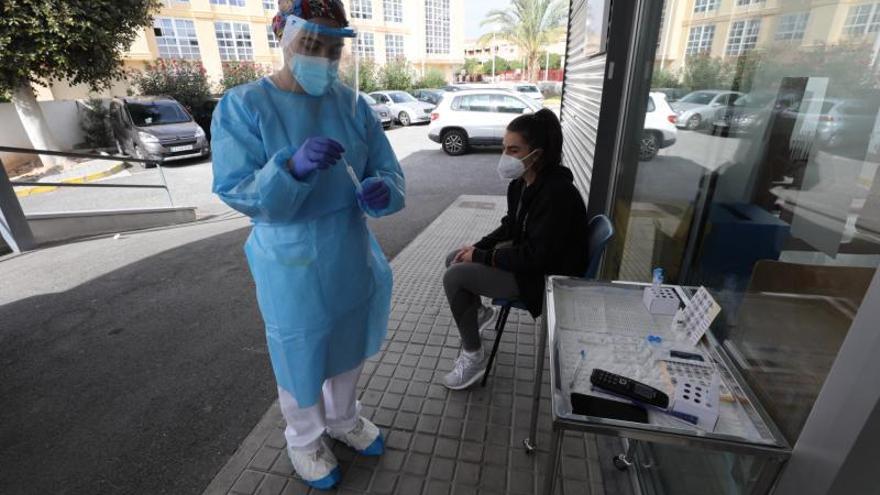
(500, 323)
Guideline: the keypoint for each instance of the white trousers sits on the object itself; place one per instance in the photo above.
(337, 410)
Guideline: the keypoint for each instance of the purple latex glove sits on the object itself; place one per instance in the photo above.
(314, 154)
(375, 195)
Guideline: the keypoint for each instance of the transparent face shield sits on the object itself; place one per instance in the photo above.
(322, 58)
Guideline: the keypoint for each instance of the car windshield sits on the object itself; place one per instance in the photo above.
(752, 101)
(527, 89)
(145, 114)
(700, 98)
(369, 99)
(401, 97)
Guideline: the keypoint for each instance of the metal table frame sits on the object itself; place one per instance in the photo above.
(636, 432)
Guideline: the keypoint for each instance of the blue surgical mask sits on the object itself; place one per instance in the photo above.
(314, 74)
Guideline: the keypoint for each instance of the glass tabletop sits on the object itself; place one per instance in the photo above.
(607, 326)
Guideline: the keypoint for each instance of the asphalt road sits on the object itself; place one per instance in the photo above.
(138, 365)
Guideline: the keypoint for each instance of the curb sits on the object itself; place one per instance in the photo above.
(31, 191)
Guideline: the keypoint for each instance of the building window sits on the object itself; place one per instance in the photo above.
(234, 3)
(393, 46)
(270, 5)
(270, 34)
(743, 36)
(700, 39)
(706, 5)
(792, 26)
(366, 46)
(393, 10)
(749, 2)
(362, 9)
(437, 32)
(176, 38)
(862, 20)
(234, 41)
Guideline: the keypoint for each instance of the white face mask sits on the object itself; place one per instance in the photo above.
(511, 167)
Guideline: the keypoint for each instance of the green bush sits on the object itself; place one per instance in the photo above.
(396, 75)
(434, 78)
(662, 78)
(95, 124)
(238, 73)
(704, 72)
(182, 80)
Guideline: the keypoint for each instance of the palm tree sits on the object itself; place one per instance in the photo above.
(530, 25)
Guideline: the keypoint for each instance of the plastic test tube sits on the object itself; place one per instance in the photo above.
(353, 175)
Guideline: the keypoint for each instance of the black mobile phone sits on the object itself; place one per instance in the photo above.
(600, 407)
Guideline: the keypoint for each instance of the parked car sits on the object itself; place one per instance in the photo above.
(672, 94)
(748, 114)
(156, 127)
(836, 122)
(204, 113)
(476, 118)
(659, 131)
(527, 89)
(702, 107)
(432, 96)
(383, 113)
(404, 107)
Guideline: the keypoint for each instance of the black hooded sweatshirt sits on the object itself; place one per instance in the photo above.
(547, 224)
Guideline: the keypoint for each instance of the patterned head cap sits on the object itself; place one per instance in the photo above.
(308, 9)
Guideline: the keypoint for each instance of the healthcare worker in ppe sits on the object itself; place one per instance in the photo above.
(303, 155)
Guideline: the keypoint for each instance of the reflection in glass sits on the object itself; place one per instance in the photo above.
(770, 195)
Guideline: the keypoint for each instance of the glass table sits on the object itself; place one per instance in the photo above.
(605, 325)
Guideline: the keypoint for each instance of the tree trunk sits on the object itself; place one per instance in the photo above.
(33, 121)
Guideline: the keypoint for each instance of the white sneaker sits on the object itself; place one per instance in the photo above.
(365, 438)
(317, 468)
(468, 369)
(485, 318)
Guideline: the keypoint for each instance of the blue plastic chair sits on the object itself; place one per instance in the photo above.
(600, 231)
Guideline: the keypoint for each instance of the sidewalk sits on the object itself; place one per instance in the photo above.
(88, 171)
(438, 441)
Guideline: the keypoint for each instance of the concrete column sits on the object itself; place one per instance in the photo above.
(14, 227)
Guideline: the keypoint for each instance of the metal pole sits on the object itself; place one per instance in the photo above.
(14, 227)
(547, 67)
(494, 51)
(165, 183)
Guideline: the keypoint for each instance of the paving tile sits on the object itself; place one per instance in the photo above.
(383, 483)
(294, 487)
(357, 478)
(406, 421)
(423, 444)
(429, 424)
(264, 459)
(464, 490)
(417, 464)
(389, 401)
(433, 407)
(493, 477)
(442, 469)
(398, 440)
(446, 447)
(383, 417)
(467, 473)
(392, 460)
(495, 455)
(411, 404)
(521, 482)
(272, 485)
(247, 483)
(396, 386)
(410, 484)
(471, 452)
(437, 488)
(450, 427)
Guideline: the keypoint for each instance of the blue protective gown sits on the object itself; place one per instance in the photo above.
(323, 283)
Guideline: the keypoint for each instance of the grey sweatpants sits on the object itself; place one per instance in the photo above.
(464, 284)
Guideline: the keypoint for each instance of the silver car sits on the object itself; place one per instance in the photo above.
(702, 107)
(404, 107)
(156, 127)
(382, 112)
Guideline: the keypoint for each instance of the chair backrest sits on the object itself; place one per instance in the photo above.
(600, 230)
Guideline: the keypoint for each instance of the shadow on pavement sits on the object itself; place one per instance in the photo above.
(144, 380)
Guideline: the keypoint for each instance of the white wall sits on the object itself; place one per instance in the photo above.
(63, 120)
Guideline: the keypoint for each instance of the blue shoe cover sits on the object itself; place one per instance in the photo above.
(327, 482)
(376, 448)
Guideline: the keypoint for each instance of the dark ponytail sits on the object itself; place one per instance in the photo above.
(541, 130)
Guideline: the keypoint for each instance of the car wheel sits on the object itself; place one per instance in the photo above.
(695, 122)
(649, 146)
(403, 117)
(455, 142)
